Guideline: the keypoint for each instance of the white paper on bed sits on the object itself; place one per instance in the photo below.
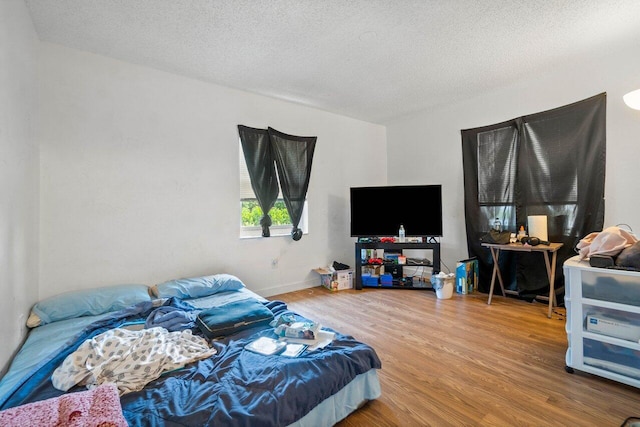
(130, 359)
(324, 339)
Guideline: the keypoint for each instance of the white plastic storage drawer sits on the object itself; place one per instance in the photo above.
(612, 323)
(603, 321)
(605, 286)
(612, 358)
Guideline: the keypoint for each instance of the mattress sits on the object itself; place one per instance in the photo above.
(233, 387)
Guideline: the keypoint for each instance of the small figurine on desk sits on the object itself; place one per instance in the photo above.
(521, 233)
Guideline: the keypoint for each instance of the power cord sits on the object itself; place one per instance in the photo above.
(445, 266)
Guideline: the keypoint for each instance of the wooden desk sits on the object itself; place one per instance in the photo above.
(519, 247)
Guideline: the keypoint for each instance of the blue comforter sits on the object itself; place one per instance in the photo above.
(235, 387)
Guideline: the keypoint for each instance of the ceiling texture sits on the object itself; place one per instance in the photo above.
(373, 60)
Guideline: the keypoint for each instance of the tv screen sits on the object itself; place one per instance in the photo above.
(379, 211)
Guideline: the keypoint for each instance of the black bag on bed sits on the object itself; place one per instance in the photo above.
(224, 320)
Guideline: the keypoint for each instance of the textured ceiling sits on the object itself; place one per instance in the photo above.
(368, 59)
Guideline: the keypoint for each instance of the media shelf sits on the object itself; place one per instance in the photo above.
(396, 269)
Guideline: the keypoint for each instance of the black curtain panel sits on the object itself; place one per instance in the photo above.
(294, 157)
(550, 163)
(256, 147)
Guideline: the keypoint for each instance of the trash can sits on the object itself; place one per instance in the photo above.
(443, 285)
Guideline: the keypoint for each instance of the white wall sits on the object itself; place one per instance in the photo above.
(140, 182)
(427, 147)
(18, 174)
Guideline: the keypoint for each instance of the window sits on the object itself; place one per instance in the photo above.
(250, 211)
(549, 163)
(497, 150)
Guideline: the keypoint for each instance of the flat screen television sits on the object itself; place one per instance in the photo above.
(379, 211)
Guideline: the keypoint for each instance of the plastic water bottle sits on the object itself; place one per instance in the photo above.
(401, 234)
(497, 225)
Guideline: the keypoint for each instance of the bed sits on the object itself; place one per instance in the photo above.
(222, 384)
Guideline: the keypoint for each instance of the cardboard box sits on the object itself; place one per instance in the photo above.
(466, 276)
(337, 280)
(374, 270)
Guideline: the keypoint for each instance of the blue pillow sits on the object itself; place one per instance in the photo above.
(86, 302)
(197, 287)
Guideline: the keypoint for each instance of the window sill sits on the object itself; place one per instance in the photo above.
(276, 231)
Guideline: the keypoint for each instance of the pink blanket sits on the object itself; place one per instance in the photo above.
(99, 407)
(610, 241)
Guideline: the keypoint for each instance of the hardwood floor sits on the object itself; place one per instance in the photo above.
(461, 362)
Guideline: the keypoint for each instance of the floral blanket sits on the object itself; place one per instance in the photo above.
(130, 359)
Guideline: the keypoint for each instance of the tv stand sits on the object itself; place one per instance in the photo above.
(398, 282)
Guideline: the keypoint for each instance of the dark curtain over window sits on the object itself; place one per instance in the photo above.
(266, 149)
(256, 147)
(293, 156)
(550, 163)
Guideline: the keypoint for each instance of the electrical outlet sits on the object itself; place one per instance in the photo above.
(274, 263)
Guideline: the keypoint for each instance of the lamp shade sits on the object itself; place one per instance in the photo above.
(632, 99)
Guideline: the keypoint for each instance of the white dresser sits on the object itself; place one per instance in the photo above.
(603, 321)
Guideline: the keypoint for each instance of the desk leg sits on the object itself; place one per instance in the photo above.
(493, 276)
(495, 254)
(551, 274)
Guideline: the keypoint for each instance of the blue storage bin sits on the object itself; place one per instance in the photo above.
(386, 279)
(369, 280)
